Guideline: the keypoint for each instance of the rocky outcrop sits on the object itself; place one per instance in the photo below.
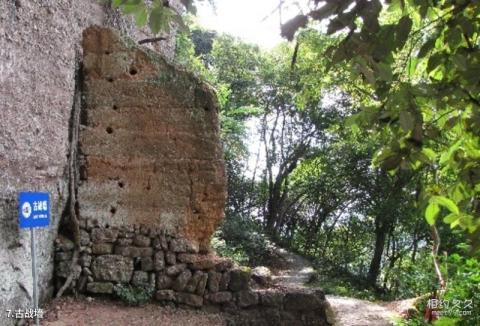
(39, 51)
(150, 144)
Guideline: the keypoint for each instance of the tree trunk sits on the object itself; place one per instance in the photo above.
(374, 271)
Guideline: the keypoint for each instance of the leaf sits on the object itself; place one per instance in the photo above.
(460, 61)
(289, 29)
(406, 120)
(445, 202)
(324, 12)
(412, 66)
(131, 9)
(421, 157)
(367, 73)
(117, 3)
(434, 61)
(431, 213)
(160, 18)
(403, 29)
(395, 7)
(384, 71)
(141, 17)
(453, 37)
(450, 218)
(426, 48)
(391, 163)
(466, 25)
(446, 156)
(430, 153)
(423, 7)
(335, 25)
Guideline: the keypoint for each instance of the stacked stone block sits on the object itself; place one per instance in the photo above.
(180, 274)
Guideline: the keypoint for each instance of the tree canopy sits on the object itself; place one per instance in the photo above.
(415, 66)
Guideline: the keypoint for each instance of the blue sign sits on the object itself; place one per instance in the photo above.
(33, 209)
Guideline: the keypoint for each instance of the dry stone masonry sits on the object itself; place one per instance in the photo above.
(181, 275)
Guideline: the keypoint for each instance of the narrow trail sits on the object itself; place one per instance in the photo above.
(346, 311)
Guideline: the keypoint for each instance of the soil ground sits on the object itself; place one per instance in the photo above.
(297, 271)
(69, 311)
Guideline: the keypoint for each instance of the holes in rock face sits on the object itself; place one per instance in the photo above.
(137, 263)
(115, 108)
(121, 184)
(109, 130)
(107, 52)
(133, 71)
(113, 210)
(110, 79)
(107, 226)
(206, 108)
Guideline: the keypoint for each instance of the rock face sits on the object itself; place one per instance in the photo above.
(151, 153)
(114, 268)
(39, 51)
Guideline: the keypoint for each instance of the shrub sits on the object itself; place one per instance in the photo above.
(134, 295)
(242, 240)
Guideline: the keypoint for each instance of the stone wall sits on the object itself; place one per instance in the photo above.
(39, 40)
(149, 140)
(180, 275)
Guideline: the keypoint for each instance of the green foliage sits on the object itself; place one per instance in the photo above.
(413, 278)
(243, 241)
(319, 128)
(157, 15)
(134, 295)
(462, 284)
(343, 284)
(415, 69)
(185, 56)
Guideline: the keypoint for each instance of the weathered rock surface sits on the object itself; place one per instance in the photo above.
(304, 300)
(239, 279)
(217, 286)
(190, 299)
(262, 275)
(112, 268)
(182, 280)
(219, 297)
(100, 287)
(150, 143)
(39, 52)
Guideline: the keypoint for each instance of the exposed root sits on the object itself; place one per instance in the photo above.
(72, 175)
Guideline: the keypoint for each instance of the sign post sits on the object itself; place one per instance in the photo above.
(33, 212)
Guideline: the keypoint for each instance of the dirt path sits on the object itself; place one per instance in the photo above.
(296, 271)
(356, 312)
(346, 311)
(68, 311)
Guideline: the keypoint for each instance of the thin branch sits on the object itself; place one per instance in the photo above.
(436, 245)
(152, 40)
